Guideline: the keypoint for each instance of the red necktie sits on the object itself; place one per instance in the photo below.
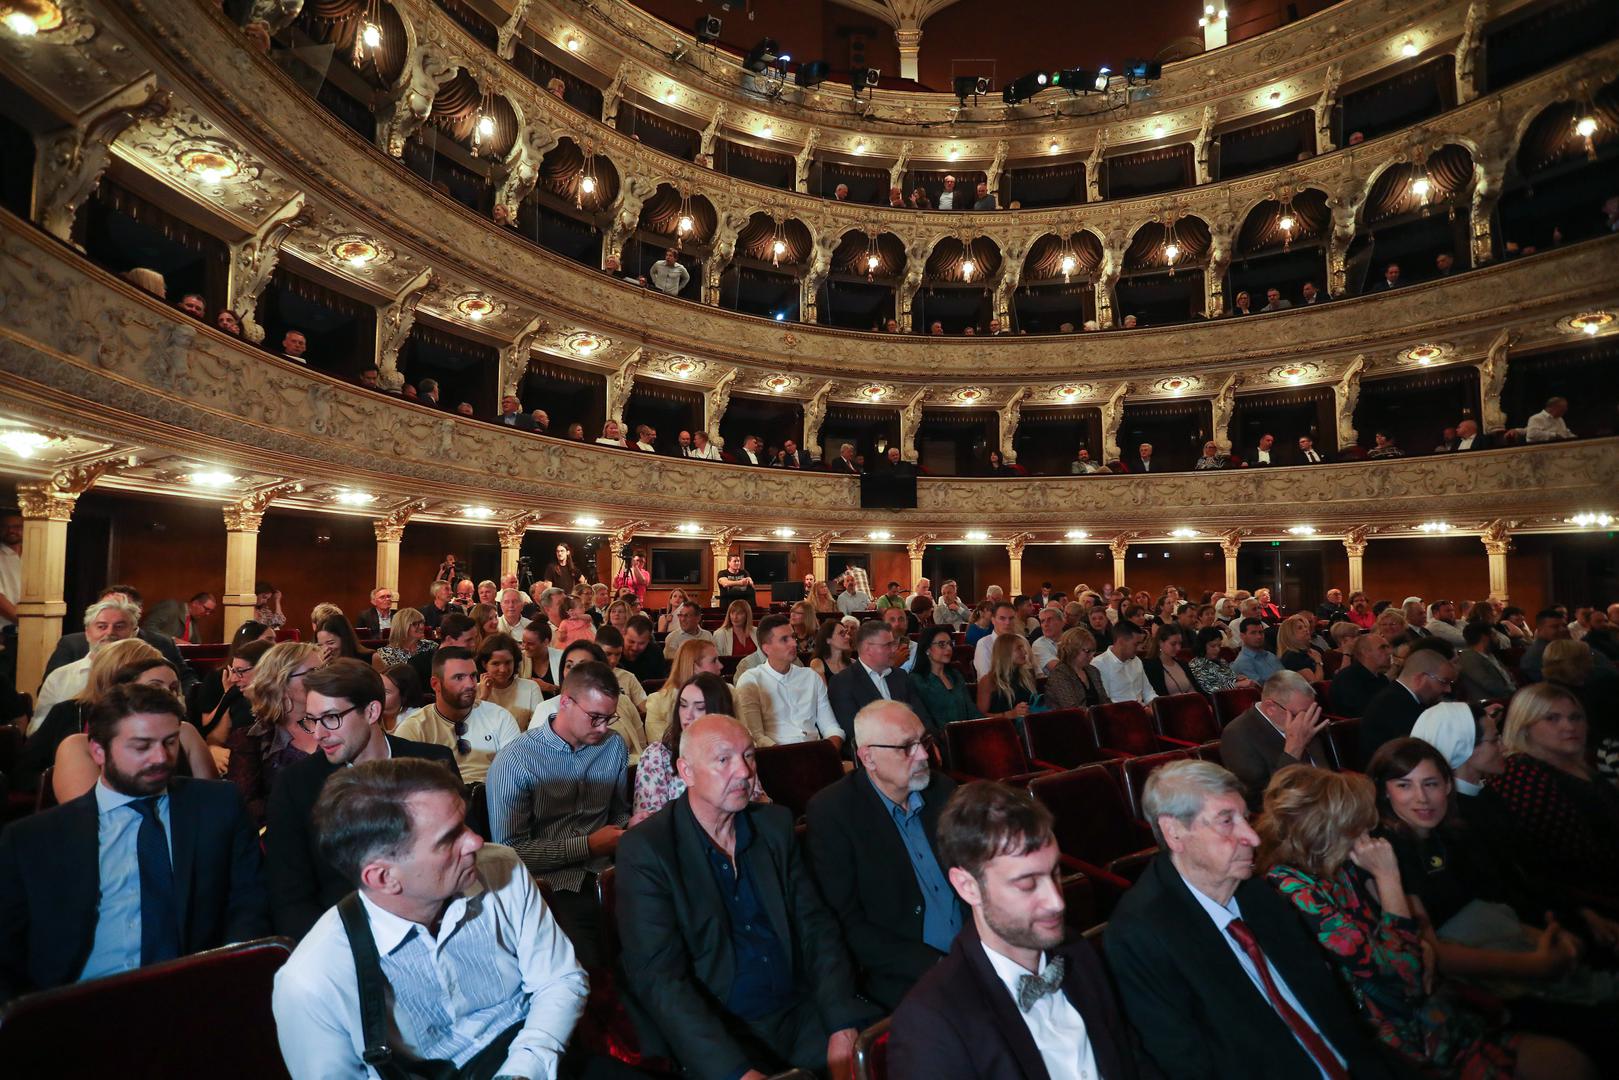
(1312, 1040)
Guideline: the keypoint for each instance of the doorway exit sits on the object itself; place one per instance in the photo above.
(1295, 574)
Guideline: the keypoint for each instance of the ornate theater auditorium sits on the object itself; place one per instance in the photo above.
(473, 195)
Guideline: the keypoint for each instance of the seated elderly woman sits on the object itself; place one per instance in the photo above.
(1484, 921)
(1570, 663)
(1317, 851)
(1073, 682)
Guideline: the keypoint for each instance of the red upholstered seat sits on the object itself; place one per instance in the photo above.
(1127, 726)
(606, 1029)
(1343, 739)
(1230, 704)
(871, 1052)
(791, 774)
(1185, 716)
(1210, 751)
(1331, 661)
(1063, 737)
(1136, 770)
(1096, 832)
(1079, 900)
(74, 1030)
(991, 750)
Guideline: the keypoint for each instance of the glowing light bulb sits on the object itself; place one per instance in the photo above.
(1420, 187)
(1590, 329)
(211, 176)
(686, 224)
(486, 126)
(1158, 131)
(1287, 223)
(1208, 9)
(1585, 127)
(588, 185)
(371, 35)
(767, 131)
(778, 248)
(1054, 146)
(21, 24)
(860, 146)
(872, 263)
(1068, 265)
(669, 96)
(967, 269)
(573, 44)
(1408, 48)
(1172, 252)
(475, 314)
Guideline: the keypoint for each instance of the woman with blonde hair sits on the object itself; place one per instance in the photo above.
(667, 621)
(275, 740)
(407, 636)
(736, 638)
(692, 657)
(821, 599)
(618, 615)
(1294, 650)
(320, 613)
(803, 622)
(1317, 851)
(1009, 686)
(1074, 683)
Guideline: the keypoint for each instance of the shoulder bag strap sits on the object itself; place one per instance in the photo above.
(372, 987)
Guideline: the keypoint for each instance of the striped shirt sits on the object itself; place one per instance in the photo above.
(546, 798)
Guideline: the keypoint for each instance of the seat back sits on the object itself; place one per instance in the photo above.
(1185, 716)
(1125, 726)
(50, 1033)
(607, 900)
(871, 1051)
(477, 796)
(1079, 900)
(792, 773)
(1230, 704)
(1343, 739)
(986, 749)
(1063, 737)
(1137, 769)
(1093, 820)
(47, 789)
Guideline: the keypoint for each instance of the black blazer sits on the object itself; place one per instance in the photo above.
(1300, 459)
(1391, 714)
(1353, 689)
(865, 876)
(1141, 465)
(71, 647)
(1252, 748)
(1481, 441)
(960, 1021)
(303, 884)
(50, 876)
(522, 421)
(851, 690)
(1154, 669)
(796, 460)
(370, 623)
(675, 936)
(839, 465)
(1253, 459)
(1195, 1009)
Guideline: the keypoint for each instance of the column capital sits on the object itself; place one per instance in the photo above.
(821, 543)
(1016, 543)
(247, 514)
(1231, 542)
(1497, 536)
(626, 532)
(511, 532)
(917, 546)
(720, 543)
(54, 498)
(1355, 541)
(1120, 544)
(390, 528)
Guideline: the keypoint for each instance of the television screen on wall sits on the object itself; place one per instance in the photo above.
(677, 566)
(766, 567)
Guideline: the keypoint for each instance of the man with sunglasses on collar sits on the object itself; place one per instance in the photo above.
(474, 730)
(343, 711)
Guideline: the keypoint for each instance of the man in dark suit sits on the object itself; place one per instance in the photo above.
(347, 694)
(1429, 673)
(374, 620)
(143, 868)
(1332, 609)
(845, 462)
(855, 687)
(873, 845)
(752, 452)
(1013, 1000)
(894, 464)
(792, 457)
(738, 965)
(1186, 943)
(1264, 454)
(1469, 438)
(1309, 454)
(512, 414)
(1363, 678)
(1142, 463)
(71, 647)
(1283, 728)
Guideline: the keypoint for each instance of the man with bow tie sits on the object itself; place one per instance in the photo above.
(1013, 1000)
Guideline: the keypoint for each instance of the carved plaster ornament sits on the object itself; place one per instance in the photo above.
(1324, 106)
(705, 141)
(253, 261)
(514, 357)
(806, 157)
(715, 402)
(393, 328)
(1093, 169)
(992, 178)
(814, 417)
(427, 71)
(1346, 395)
(910, 422)
(521, 169)
(896, 172)
(506, 40)
(1011, 415)
(69, 163)
(1492, 381)
(390, 527)
(620, 384)
(1469, 48)
(614, 93)
(1224, 404)
(1203, 145)
(1112, 419)
(626, 209)
(279, 14)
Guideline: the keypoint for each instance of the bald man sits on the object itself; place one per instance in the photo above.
(740, 970)
(873, 844)
(1364, 677)
(1426, 678)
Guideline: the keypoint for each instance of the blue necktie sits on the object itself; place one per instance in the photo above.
(160, 923)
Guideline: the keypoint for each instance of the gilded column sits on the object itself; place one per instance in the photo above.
(915, 549)
(1231, 544)
(1355, 548)
(242, 522)
(909, 40)
(1014, 556)
(511, 540)
(1497, 543)
(1120, 546)
(47, 507)
(720, 547)
(819, 546)
(390, 530)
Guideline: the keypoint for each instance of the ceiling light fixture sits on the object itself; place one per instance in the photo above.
(669, 96)
(879, 535)
(1408, 48)
(1054, 146)
(1435, 527)
(573, 43)
(480, 513)
(1076, 534)
(784, 533)
(689, 528)
(767, 132)
(587, 521)
(25, 444)
(1158, 131)
(1588, 520)
(1183, 533)
(1302, 530)
(976, 536)
(212, 478)
(954, 154)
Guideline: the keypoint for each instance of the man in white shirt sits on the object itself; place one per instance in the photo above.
(646, 439)
(950, 610)
(1548, 424)
(474, 965)
(1004, 620)
(702, 449)
(1122, 674)
(1468, 438)
(670, 276)
(1264, 453)
(852, 600)
(105, 621)
(1012, 998)
(512, 602)
(475, 730)
(10, 567)
(1045, 646)
(752, 452)
(690, 628)
(787, 703)
(1442, 622)
(949, 199)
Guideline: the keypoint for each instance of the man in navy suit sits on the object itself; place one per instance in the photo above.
(143, 868)
(1013, 1000)
(855, 687)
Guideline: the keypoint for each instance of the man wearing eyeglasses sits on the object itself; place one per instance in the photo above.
(1426, 678)
(873, 845)
(343, 710)
(475, 730)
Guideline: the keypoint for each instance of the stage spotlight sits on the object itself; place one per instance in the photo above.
(813, 73)
(708, 29)
(762, 55)
(864, 79)
(970, 86)
(1102, 75)
(1025, 87)
(1143, 71)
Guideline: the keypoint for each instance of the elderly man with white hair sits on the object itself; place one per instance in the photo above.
(1215, 971)
(512, 622)
(105, 621)
(1283, 728)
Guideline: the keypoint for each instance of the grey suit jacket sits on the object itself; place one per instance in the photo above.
(1252, 748)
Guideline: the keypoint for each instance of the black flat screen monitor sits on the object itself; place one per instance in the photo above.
(882, 492)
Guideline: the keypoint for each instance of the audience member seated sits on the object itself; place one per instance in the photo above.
(1254, 662)
(1123, 677)
(1211, 673)
(105, 622)
(1162, 664)
(1014, 997)
(689, 620)
(1283, 728)
(642, 657)
(1363, 676)
(1294, 648)
(1274, 301)
(343, 710)
(146, 866)
(1008, 689)
(1383, 446)
(627, 723)
(1242, 304)
(1311, 294)
(661, 705)
(1428, 674)
(873, 846)
(739, 970)
(227, 322)
(559, 796)
(1308, 454)
(657, 783)
(446, 949)
(780, 701)
(853, 600)
(1216, 974)
(871, 676)
(1548, 424)
(1264, 454)
(275, 739)
(1480, 676)
(1212, 458)
(1318, 854)
(938, 684)
(294, 345)
(1142, 462)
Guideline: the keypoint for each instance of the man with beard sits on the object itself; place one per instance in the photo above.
(474, 730)
(91, 888)
(1013, 998)
(343, 710)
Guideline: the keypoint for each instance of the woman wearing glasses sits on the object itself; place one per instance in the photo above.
(1073, 683)
(941, 687)
(656, 782)
(274, 741)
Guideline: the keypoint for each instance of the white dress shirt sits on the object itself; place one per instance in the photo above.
(1058, 1029)
(66, 682)
(1222, 916)
(707, 453)
(982, 651)
(1544, 427)
(1045, 653)
(802, 711)
(498, 958)
(879, 679)
(1124, 680)
(678, 637)
(1262, 457)
(514, 629)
